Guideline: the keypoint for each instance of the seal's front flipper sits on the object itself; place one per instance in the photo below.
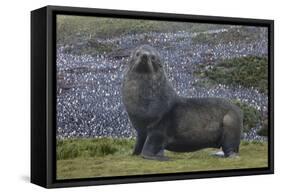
(141, 137)
(153, 147)
(159, 156)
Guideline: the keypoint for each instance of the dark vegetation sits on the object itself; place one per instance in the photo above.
(246, 35)
(264, 129)
(250, 115)
(246, 71)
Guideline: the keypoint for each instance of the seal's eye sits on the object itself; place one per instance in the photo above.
(138, 54)
(153, 57)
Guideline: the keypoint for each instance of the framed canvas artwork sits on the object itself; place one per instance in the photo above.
(125, 96)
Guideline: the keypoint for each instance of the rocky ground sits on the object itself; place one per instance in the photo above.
(88, 86)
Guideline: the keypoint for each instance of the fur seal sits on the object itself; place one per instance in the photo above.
(165, 121)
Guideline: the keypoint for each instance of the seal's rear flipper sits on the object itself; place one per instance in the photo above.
(218, 154)
(232, 155)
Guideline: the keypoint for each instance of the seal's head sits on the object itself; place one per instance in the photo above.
(145, 60)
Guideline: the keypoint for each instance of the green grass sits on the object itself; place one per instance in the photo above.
(73, 28)
(233, 35)
(81, 33)
(112, 157)
(248, 71)
(73, 148)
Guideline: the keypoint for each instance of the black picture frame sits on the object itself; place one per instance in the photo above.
(43, 96)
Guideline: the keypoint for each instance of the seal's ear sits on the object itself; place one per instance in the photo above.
(131, 56)
(130, 63)
(157, 62)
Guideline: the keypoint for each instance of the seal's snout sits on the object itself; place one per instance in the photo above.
(144, 57)
(144, 64)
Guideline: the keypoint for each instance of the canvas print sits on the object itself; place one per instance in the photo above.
(139, 97)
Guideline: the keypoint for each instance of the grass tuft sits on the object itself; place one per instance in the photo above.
(68, 149)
